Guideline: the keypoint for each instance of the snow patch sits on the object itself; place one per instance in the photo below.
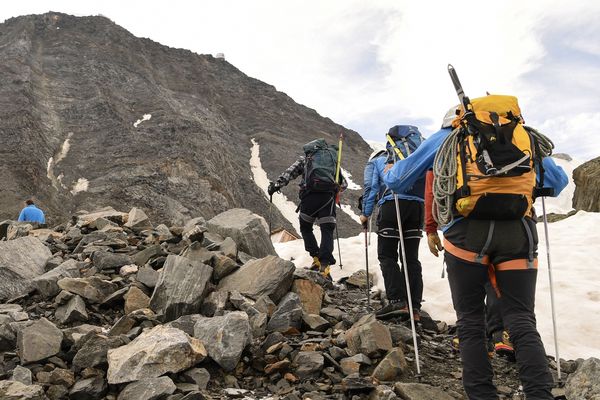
(286, 207)
(576, 285)
(81, 185)
(348, 210)
(50, 169)
(375, 145)
(351, 184)
(64, 149)
(146, 117)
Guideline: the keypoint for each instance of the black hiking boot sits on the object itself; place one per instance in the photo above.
(395, 309)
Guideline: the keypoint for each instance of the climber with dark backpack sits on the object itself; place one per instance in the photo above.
(318, 191)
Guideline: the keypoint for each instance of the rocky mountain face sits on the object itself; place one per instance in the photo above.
(587, 189)
(113, 306)
(91, 115)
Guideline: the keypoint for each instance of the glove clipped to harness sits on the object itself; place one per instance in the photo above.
(273, 187)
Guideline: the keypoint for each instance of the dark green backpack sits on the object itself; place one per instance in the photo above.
(320, 166)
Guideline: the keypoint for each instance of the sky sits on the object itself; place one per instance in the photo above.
(371, 65)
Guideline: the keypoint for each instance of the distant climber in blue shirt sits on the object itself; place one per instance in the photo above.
(31, 213)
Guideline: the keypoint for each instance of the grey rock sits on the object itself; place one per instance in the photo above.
(18, 230)
(584, 383)
(135, 299)
(115, 298)
(392, 367)
(155, 352)
(337, 352)
(199, 253)
(14, 390)
(148, 389)
(199, 376)
(137, 220)
(225, 337)
(148, 276)
(383, 392)
(287, 317)
(223, 266)
(72, 335)
(265, 305)
(47, 285)
(21, 260)
(400, 334)
(108, 213)
(38, 341)
(8, 308)
(315, 322)
(229, 248)
(107, 260)
(420, 391)
(308, 364)
(186, 323)
(258, 324)
(57, 392)
(370, 338)
(587, 186)
(92, 388)
(181, 288)
(248, 230)
(93, 288)
(270, 276)
(92, 350)
(214, 304)
(333, 312)
(73, 311)
(142, 257)
(359, 279)
(23, 375)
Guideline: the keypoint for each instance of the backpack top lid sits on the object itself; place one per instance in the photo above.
(317, 144)
(402, 131)
(503, 105)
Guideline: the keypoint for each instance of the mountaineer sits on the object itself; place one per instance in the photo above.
(403, 140)
(30, 213)
(488, 172)
(318, 194)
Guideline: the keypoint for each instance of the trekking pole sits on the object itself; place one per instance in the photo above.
(399, 155)
(551, 293)
(408, 293)
(338, 245)
(366, 228)
(337, 181)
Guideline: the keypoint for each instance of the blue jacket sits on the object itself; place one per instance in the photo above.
(32, 214)
(405, 173)
(374, 186)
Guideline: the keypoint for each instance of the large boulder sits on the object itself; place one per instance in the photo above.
(21, 260)
(137, 220)
(587, 186)
(158, 351)
(585, 382)
(47, 284)
(182, 286)
(269, 276)
(225, 337)
(38, 341)
(107, 260)
(248, 230)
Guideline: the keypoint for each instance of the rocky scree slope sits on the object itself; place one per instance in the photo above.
(71, 90)
(110, 306)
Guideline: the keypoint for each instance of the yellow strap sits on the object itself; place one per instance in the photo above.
(396, 149)
(339, 162)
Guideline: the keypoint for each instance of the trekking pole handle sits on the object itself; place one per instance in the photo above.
(464, 100)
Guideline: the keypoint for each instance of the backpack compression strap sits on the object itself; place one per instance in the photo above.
(396, 149)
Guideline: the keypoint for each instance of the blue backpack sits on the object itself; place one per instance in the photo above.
(407, 139)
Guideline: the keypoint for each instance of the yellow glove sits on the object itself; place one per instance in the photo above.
(434, 243)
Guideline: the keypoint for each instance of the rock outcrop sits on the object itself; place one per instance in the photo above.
(587, 186)
(21, 261)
